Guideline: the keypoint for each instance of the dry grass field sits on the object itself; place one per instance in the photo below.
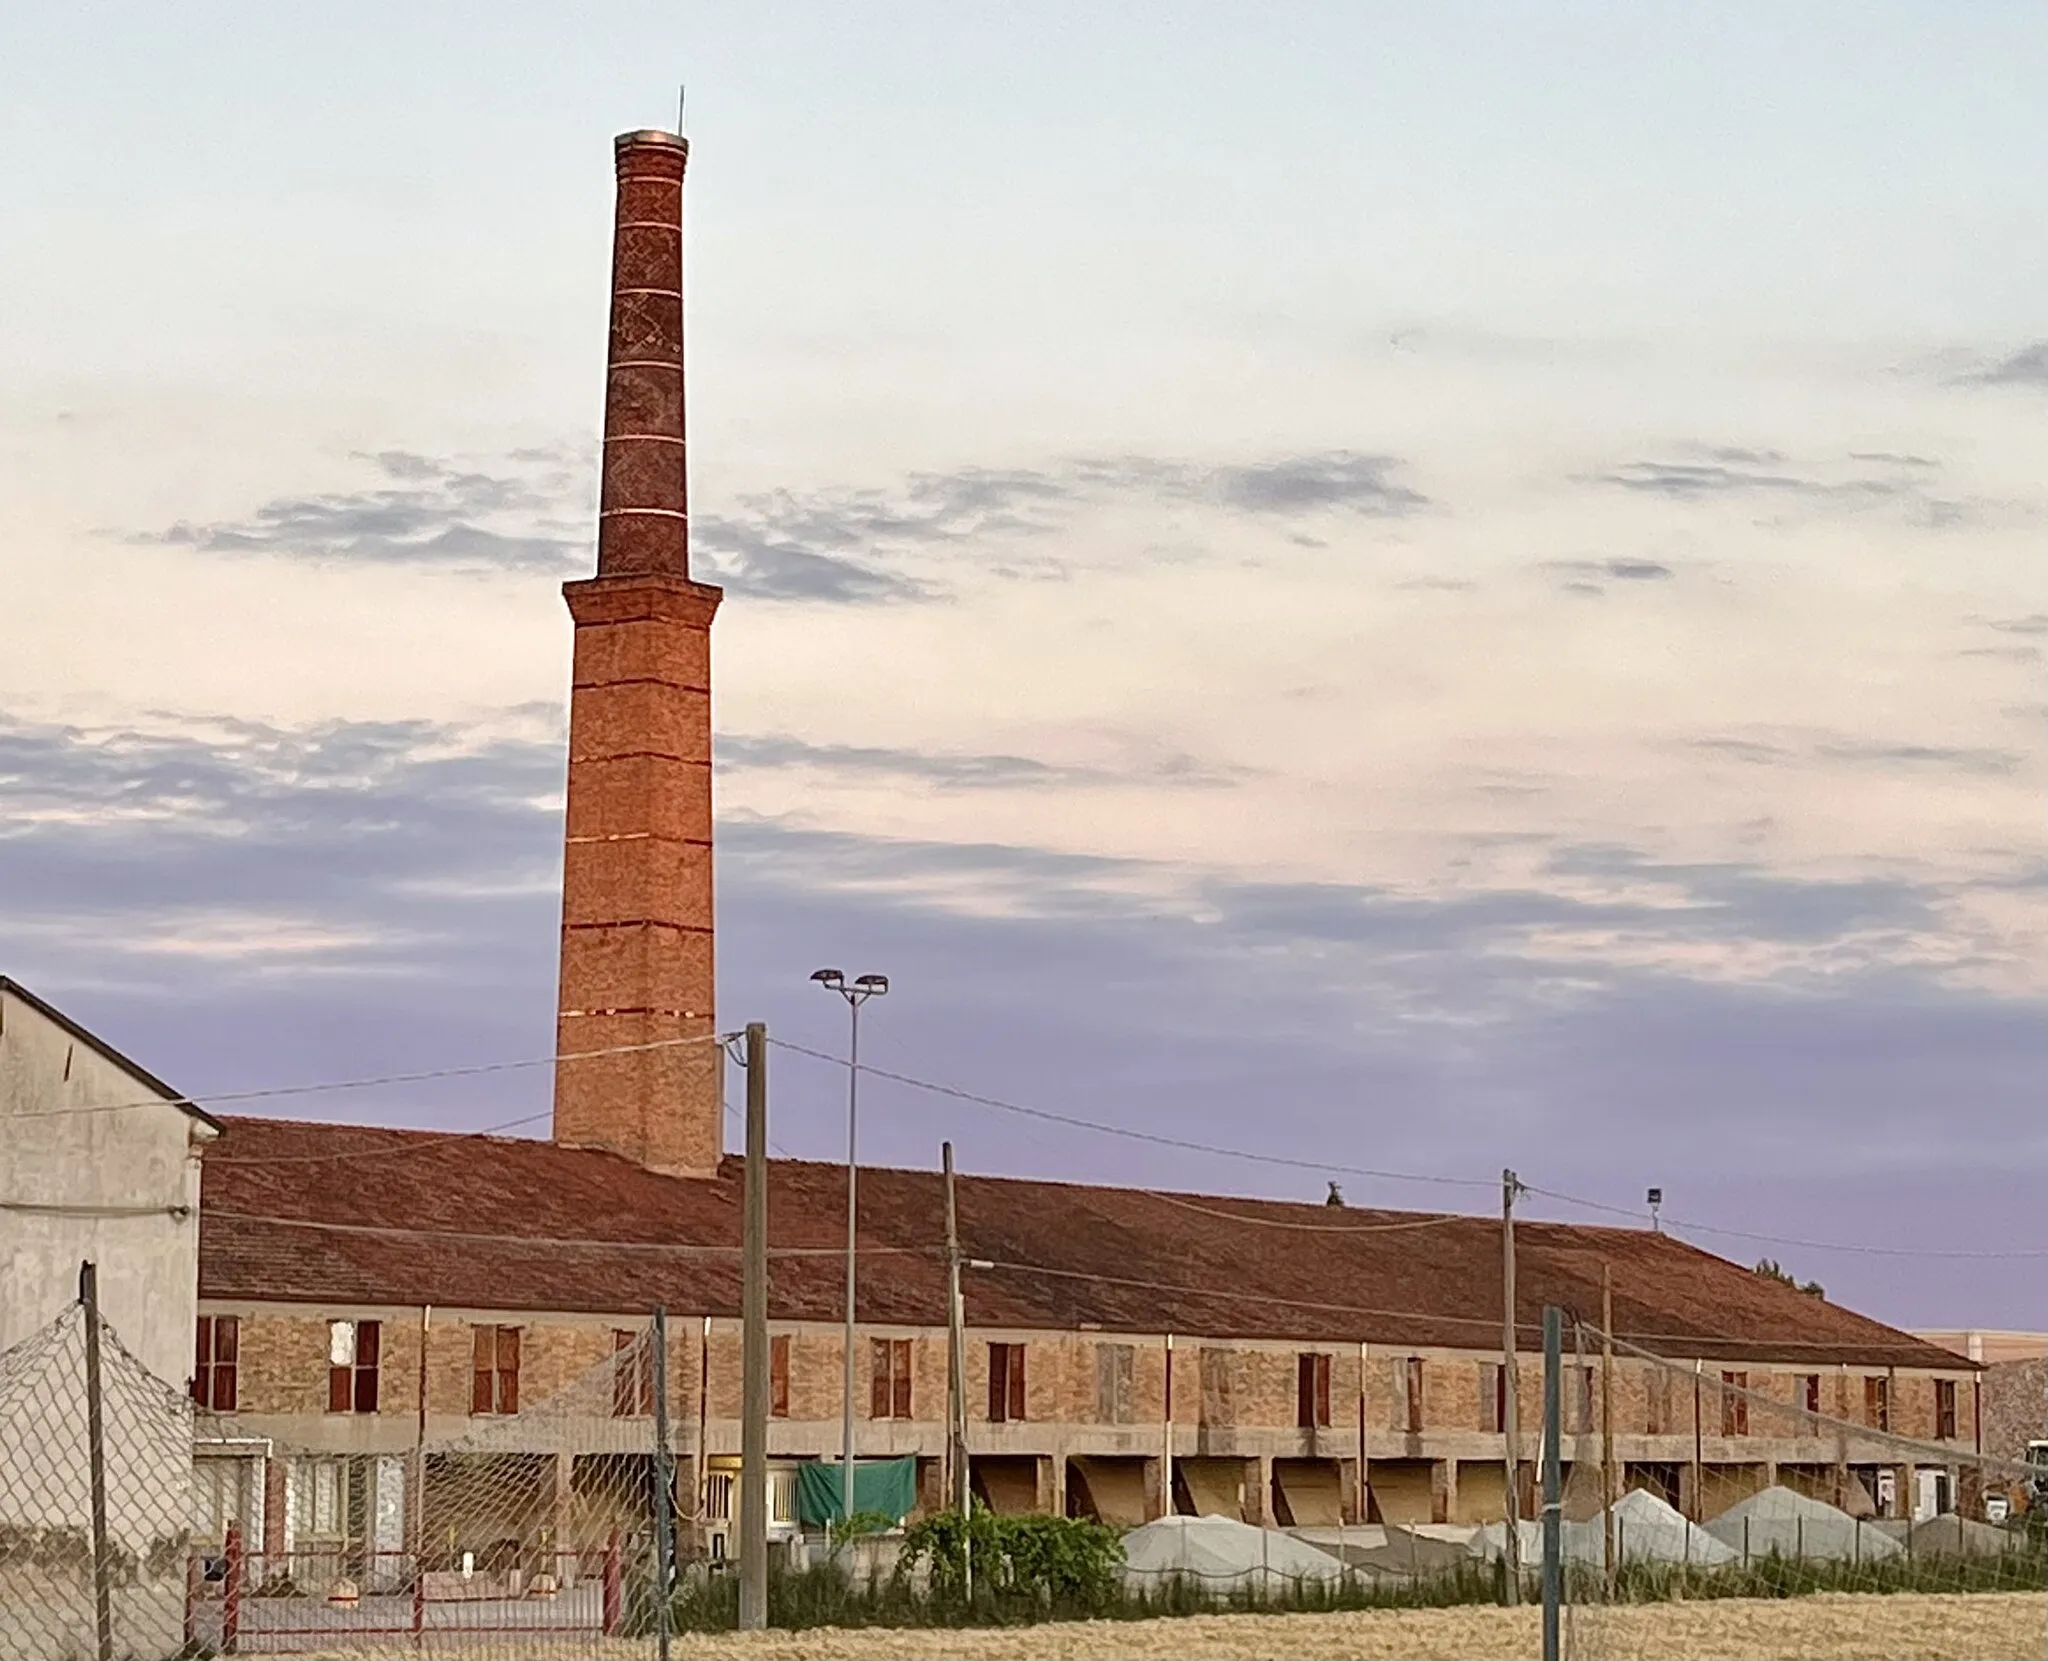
(1832, 1627)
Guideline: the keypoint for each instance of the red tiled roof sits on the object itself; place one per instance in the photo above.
(346, 1215)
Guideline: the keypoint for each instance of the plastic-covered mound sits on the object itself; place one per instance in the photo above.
(1222, 1554)
(1792, 1525)
(1646, 1530)
(1649, 1529)
(1953, 1536)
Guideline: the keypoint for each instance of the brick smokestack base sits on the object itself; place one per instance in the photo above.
(637, 924)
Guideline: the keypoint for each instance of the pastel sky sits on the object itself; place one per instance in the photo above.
(1418, 588)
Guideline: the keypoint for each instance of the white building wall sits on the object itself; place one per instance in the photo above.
(79, 1182)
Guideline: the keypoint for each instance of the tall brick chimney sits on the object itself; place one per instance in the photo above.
(636, 870)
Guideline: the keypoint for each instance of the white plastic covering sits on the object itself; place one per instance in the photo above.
(1223, 1554)
(1792, 1525)
(1646, 1530)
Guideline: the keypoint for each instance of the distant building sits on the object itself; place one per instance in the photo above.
(1992, 1347)
(92, 1167)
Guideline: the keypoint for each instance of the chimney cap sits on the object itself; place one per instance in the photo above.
(652, 135)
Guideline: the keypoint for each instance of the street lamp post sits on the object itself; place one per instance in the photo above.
(856, 993)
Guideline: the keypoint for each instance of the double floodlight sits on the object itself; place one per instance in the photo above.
(863, 986)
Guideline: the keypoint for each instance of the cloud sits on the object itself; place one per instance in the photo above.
(2028, 366)
(425, 512)
(1858, 752)
(1729, 472)
(955, 771)
(1962, 758)
(835, 546)
(242, 905)
(1590, 577)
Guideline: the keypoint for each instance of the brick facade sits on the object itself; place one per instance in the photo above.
(1449, 1470)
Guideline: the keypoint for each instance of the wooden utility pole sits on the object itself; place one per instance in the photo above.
(754, 1344)
(1510, 1416)
(1607, 1494)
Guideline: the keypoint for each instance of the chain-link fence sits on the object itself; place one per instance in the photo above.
(135, 1526)
(1795, 1491)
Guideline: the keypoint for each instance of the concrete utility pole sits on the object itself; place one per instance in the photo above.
(956, 1396)
(1607, 1494)
(1511, 1414)
(956, 1341)
(1553, 1498)
(754, 1345)
(96, 1456)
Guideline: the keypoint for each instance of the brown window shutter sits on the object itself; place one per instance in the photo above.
(998, 1385)
(508, 1369)
(1304, 1390)
(1322, 1390)
(902, 1380)
(1415, 1392)
(227, 1339)
(202, 1357)
(224, 1387)
(778, 1377)
(1016, 1380)
(879, 1394)
(340, 1389)
(367, 1334)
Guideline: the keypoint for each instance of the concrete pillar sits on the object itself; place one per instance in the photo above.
(1903, 1481)
(1443, 1491)
(1353, 1496)
(274, 1518)
(1258, 1491)
(1058, 1466)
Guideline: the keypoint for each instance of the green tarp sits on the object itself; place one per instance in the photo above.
(885, 1485)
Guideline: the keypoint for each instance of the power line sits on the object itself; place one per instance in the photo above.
(1677, 1223)
(1441, 1219)
(674, 1248)
(1153, 1138)
(369, 1083)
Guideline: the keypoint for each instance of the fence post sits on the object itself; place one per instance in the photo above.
(195, 1580)
(612, 1585)
(419, 1596)
(96, 1454)
(231, 1593)
(1553, 1418)
(664, 1489)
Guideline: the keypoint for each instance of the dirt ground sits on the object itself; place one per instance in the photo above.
(1896, 1627)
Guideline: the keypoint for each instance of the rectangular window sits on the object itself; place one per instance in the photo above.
(494, 1371)
(1945, 1409)
(1113, 1367)
(1493, 1397)
(1809, 1392)
(632, 1375)
(1408, 1384)
(1877, 1403)
(889, 1366)
(213, 1365)
(778, 1376)
(352, 1349)
(1005, 1384)
(1312, 1392)
(1734, 1408)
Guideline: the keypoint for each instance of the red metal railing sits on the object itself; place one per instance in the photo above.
(391, 1594)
